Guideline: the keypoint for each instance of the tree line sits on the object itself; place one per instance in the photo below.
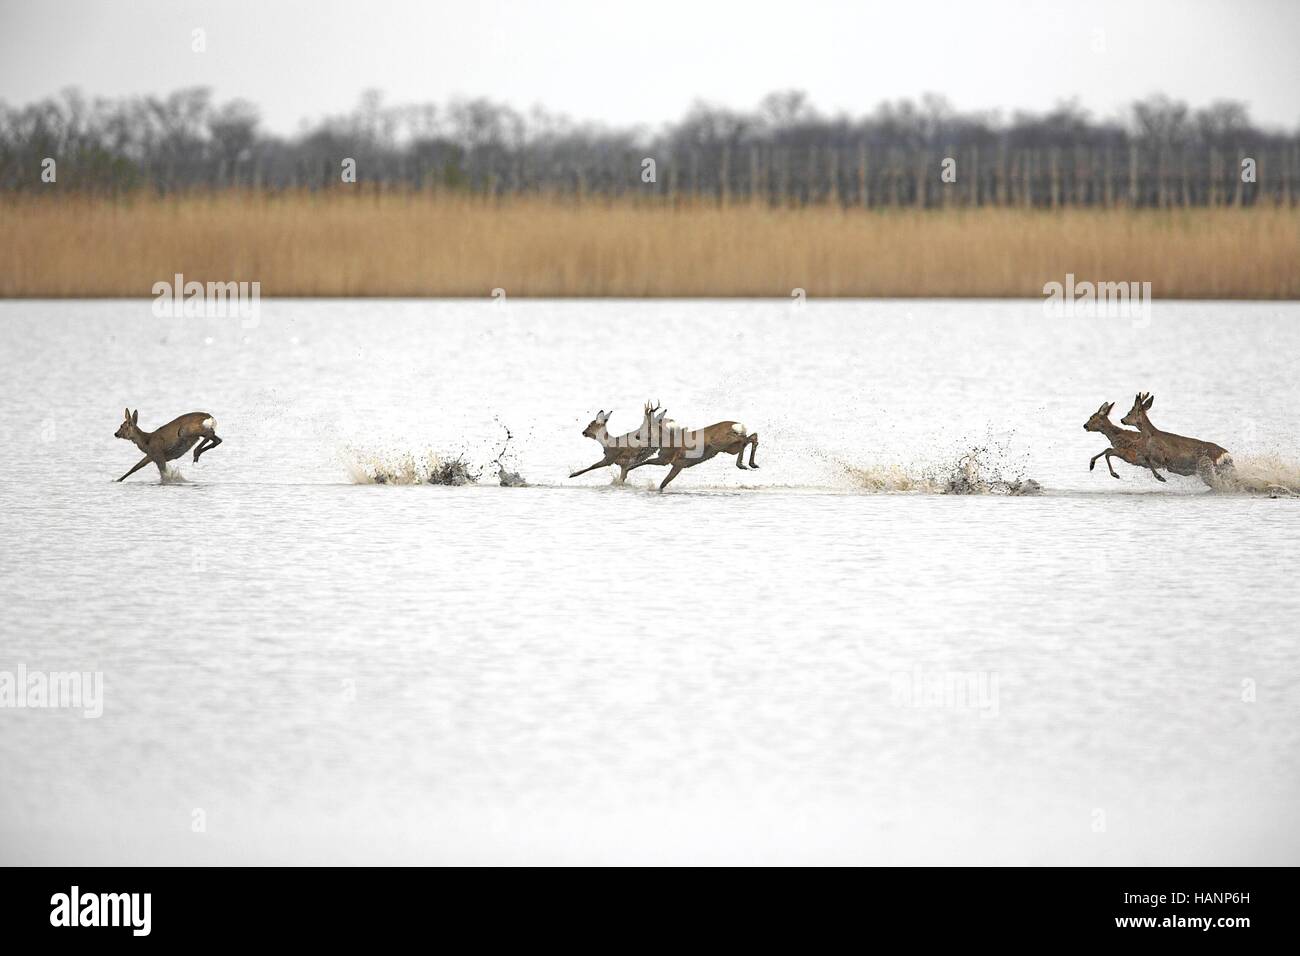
(1159, 153)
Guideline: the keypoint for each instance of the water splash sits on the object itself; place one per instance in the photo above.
(981, 470)
(507, 478)
(1269, 475)
(368, 467)
(384, 468)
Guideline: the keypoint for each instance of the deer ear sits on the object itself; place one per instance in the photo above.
(1149, 402)
(126, 414)
(1104, 409)
(135, 417)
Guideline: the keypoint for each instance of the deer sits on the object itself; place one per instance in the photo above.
(628, 451)
(1182, 456)
(1125, 444)
(170, 441)
(687, 448)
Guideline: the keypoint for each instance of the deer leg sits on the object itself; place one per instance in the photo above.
(162, 467)
(208, 443)
(672, 473)
(1159, 477)
(753, 449)
(138, 465)
(1092, 462)
(740, 457)
(600, 464)
(1109, 466)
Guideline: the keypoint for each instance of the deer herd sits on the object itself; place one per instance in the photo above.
(1149, 447)
(660, 441)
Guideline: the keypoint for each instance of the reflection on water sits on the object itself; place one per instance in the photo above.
(296, 667)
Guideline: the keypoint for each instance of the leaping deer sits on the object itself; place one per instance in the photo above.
(628, 451)
(170, 441)
(683, 448)
(1182, 456)
(1125, 445)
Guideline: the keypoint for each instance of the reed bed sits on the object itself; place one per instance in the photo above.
(412, 244)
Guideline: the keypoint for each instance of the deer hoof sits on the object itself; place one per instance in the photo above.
(1092, 465)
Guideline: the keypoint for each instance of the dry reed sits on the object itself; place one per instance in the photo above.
(398, 244)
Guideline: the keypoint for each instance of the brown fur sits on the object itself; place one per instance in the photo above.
(1176, 453)
(1125, 445)
(692, 448)
(168, 442)
(627, 451)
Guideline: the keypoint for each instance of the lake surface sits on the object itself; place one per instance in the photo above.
(822, 661)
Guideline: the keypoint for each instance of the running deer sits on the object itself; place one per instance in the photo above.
(683, 448)
(628, 451)
(170, 441)
(1182, 456)
(1125, 445)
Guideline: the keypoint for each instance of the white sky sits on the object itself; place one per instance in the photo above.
(625, 63)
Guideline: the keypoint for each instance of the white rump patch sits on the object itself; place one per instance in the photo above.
(210, 424)
(1224, 459)
(738, 428)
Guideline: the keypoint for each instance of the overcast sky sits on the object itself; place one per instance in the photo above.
(627, 63)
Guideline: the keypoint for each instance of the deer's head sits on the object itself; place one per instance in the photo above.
(1138, 413)
(1100, 418)
(597, 425)
(130, 426)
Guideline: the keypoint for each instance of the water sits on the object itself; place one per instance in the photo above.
(297, 667)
